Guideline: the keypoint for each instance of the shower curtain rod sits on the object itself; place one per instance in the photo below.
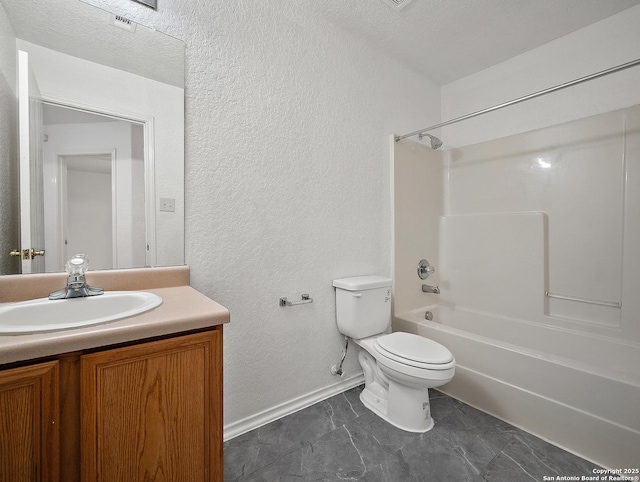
(602, 73)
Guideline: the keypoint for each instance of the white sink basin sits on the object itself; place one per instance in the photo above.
(44, 314)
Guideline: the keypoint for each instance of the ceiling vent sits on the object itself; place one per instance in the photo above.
(397, 4)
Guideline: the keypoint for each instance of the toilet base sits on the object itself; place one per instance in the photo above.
(406, 408)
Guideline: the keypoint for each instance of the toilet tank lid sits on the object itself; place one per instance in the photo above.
(362, 283)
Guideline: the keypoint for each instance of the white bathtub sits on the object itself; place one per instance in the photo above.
(580, 392)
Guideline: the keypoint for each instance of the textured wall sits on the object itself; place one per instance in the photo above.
(287, 179)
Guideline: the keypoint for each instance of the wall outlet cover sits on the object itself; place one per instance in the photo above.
(167, 204)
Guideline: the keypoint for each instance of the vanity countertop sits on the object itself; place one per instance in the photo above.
(183, 309)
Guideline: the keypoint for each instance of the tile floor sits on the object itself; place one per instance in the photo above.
(339, 439)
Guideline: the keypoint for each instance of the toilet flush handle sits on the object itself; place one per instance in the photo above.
(356, 295)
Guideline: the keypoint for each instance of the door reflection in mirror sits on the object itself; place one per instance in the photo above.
(30, 127)
(94, 190)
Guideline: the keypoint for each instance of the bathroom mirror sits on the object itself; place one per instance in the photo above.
(103, 144)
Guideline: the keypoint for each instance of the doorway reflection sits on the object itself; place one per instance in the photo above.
(94, 189)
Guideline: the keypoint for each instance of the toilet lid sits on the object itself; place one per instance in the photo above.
(415, 348)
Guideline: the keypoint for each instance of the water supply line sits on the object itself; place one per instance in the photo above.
(337, 370)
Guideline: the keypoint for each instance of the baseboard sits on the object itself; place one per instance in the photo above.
(247, 424)
(584, 434)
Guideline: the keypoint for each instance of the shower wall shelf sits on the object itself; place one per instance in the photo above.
(305, 299)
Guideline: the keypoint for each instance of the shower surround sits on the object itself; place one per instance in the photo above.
(536, 242)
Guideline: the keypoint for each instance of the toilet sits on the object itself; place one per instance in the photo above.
(399, 367)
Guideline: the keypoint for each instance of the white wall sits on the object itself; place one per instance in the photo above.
(583, 176)
(535, 203)
(589, 191)
(418, 195)
(9, 202)
(90, 217)
(69, 78)
(287, 182)
(603, 45)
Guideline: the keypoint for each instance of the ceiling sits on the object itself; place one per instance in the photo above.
(446, 40)
(443, 40)
(87, 32)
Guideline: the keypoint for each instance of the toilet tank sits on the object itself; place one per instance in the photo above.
(363, 305)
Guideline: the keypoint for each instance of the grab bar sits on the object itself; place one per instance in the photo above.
(612, 304)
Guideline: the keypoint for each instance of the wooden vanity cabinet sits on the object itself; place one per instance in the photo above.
(29, 428)
(145, 410)
(149, 411)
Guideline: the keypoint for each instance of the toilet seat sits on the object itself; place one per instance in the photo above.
(415, 351)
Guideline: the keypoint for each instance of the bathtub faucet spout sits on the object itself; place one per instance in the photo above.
(430, 289)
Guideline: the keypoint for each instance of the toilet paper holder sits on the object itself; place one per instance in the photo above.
(305, 299)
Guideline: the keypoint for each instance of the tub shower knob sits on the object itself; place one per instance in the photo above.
(425, 269)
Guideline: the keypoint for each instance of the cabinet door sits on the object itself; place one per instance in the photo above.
(150, 412)
(29, 409)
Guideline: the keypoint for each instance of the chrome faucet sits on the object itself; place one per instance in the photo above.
(430, 289)
(77, 286)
